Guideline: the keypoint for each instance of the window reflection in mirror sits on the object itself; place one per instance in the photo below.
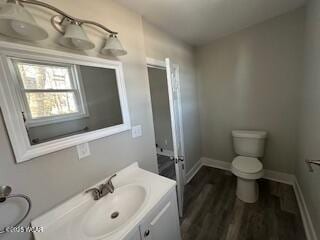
(60, 100)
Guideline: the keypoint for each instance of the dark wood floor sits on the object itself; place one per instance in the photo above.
(166, 167)
(212, 210)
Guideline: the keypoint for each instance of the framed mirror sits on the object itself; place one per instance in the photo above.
(53, 100)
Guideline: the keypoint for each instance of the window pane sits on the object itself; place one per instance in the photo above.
(47, 104)
(36, 76)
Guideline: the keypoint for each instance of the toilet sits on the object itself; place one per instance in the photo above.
(249, 146)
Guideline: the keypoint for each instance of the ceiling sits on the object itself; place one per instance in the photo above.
(198, 22)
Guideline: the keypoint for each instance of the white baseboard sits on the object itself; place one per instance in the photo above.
(307, 222)
(270, 175)
(279, 177)
(215, 163)
(165, 152)
(193, 171)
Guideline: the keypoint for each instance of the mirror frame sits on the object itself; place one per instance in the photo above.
(22, 148)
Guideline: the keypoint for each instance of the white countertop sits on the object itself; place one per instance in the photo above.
(58, 222)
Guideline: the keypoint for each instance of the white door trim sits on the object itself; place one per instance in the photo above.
(155, 63)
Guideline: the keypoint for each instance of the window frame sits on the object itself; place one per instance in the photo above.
(77, 89)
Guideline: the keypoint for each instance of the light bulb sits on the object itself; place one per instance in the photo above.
(78, 43)
(21, 28)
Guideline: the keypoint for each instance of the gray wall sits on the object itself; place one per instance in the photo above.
(310, 115)
(53, 178)
(160, 45)
(251, 80)
(102, 95)
(160, 107)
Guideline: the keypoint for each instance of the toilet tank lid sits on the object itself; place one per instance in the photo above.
(249, 134)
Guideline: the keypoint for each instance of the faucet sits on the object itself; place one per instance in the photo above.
(103, 189)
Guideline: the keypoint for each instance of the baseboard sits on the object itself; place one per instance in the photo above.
(165, 152)
(307, 222)
(215, 163)
(193, 171)
(270, 175)
(279, 177)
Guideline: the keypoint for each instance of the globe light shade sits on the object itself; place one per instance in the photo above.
(17, 22)
(113, 47)
(74, 37)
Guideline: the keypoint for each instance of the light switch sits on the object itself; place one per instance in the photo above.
(83, 150)
(136, 131)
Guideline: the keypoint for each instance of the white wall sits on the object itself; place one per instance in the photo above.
(309, 137)
(160, 45)
(160, 108)
(51, 179)
(251, 80)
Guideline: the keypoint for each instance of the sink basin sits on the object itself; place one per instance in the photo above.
(111, 212)
(113, 217)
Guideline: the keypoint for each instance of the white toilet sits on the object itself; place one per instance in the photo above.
(249, 145)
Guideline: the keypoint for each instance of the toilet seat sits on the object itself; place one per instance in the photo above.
(247, 167)
(247, 164)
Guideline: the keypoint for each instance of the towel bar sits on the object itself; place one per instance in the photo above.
(5, 193)
(310, 162)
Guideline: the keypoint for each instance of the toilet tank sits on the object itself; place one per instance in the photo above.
(249, 143)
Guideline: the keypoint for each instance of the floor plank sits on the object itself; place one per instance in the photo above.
(212, 211)
(166, 167)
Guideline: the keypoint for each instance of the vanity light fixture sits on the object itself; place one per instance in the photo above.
(75, 37)
(17, 22)
(113, 46)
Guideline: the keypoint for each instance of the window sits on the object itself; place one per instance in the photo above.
(50, 92)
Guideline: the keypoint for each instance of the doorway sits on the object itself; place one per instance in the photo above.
(162, 121)
(166, 108)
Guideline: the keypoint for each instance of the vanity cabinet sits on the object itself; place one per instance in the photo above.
(162, 223)
(134, 235)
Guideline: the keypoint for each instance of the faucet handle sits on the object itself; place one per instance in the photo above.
(110, 184)
(95, 193)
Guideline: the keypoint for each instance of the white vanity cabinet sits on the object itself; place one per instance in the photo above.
(134, 235)
(162, 223)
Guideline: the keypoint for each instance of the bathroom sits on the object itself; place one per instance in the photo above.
(240, 65)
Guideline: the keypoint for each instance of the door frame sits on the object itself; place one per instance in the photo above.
(161, 64)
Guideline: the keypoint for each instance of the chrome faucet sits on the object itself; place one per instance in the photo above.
(103, 189)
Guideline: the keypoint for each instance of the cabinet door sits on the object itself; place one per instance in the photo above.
(134, 235)
(163, 222)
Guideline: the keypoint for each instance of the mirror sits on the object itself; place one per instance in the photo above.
(61, 102)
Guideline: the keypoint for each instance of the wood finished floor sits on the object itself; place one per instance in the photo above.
(212, 210)
(166, 167)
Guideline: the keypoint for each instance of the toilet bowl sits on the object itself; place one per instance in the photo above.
(249, 145)
(247, 170)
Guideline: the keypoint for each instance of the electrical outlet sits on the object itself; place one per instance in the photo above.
(83, 150)
(136, 131)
